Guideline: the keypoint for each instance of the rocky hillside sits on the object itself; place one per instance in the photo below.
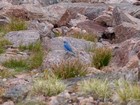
(69, 52)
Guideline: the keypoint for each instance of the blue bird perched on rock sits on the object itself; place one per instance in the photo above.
(68, 48)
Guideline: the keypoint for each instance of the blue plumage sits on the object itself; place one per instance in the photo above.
(67, 47)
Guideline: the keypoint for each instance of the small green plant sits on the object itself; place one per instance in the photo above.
(3, 44)
(37, 54)
(31, 47)
(88, 37)
(101, 57)
(36, 60)
(126, 91)
(69, 69)
(98, 88)
(16, 24)
(18, 65)
(51, 86)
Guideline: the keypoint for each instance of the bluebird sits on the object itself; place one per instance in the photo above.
(68, 48)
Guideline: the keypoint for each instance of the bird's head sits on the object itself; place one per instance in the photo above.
(65, 41)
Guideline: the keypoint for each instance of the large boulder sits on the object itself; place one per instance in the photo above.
(125, 54)
(57, 54)
(17, 92)
(44, 28)
(61, 13)
(125, 25)
(92, 28)
(104, 20)
(126, 31)
(120, 16)
(24, 38)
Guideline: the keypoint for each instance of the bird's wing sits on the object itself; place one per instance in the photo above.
(68, 47)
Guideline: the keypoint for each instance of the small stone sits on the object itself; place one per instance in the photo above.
(8, 103)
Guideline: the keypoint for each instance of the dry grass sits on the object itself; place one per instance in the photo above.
(125, 92)
(69, 69)
(101, 57)
(49, 87)
(98, 88)
(88, 37)
(6, 73)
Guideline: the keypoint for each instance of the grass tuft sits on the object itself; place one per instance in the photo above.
(6, 73)
(18, 65)
(101, 57)
(51, 86)
(31, 47)
(3, 44)
(36, 60)
(16, 24)
(126, 91)
(69, 69)
(37, 54)
(98, 88)
(88, 37)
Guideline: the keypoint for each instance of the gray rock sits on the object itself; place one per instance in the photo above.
(105, 20)
(4, 20)
(62, 13)
(44, 28)
(133, 103)
(126, 52)
(17, 92)
(8, 103)
(126, 31)
(92, 28)
(119, 16)
(27, 37)
(58, 56)
(77, 44)
(136, 14)
(9, 54)
(57, 53)
(79, 18)
(127, 7)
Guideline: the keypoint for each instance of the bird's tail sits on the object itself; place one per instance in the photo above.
(73, 54)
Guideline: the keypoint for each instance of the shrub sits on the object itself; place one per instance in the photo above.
(98, 88)
(18, 65)
(69, 69)
(126, 91)
(101, 57)
(49, 87)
